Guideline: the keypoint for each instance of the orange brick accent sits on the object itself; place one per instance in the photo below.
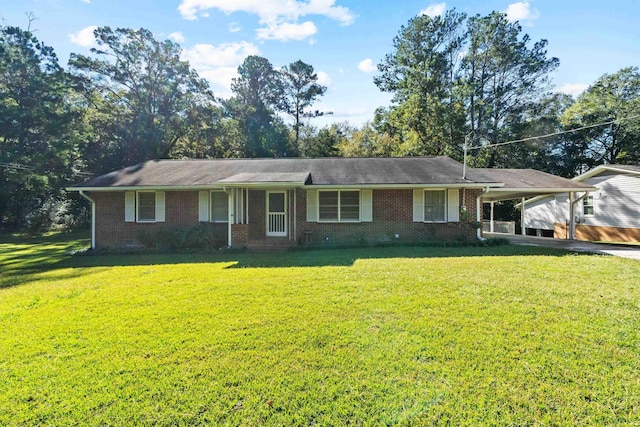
(607, 234)
(559, 230)
(599, 233)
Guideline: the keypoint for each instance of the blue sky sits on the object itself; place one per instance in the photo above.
(342, 39)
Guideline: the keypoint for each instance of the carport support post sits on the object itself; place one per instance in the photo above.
(572, 216)
(491, 218)
(523, 230)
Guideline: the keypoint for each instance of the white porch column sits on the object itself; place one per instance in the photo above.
(491, 218)
(572, 217)
(231, 217)
(523, 230)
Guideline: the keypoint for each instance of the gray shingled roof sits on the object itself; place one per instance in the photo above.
(392, 171)
(320, 171)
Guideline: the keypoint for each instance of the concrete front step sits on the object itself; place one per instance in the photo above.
(268, 245)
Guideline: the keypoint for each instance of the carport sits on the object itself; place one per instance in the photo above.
(520, 184)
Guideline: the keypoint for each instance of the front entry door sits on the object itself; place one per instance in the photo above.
(277, 213)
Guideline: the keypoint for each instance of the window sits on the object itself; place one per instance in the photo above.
(219, 206)
(435, 206)
(146, 206)
(339, 206)
(587, 206)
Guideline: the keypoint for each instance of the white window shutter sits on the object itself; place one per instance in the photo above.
(129, 206)
(453, 205)
(312, 205)
(203, 206)
(160, 206)
(366, 205)
(418, 205)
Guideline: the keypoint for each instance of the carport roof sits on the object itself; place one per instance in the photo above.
(520, 183)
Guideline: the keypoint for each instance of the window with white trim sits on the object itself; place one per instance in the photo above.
(146, 205)
(219, 206)
(588, 206)
(339, 205)
(435, 206)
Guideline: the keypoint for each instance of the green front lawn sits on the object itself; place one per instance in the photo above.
(374, 336)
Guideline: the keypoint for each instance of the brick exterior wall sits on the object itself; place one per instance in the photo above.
(240, 233)
(392, 214)
(181, 210)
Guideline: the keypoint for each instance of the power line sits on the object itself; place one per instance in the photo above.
(18, 166)
(498, 144)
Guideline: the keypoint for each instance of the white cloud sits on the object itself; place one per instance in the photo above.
(86, 1)
(219, 64)
(278, 18)
(367, 66)
(573, 89)
(287, 31)
(521, 11)
(177, 37)
(84, 37)
(324, 79)
(434, 10)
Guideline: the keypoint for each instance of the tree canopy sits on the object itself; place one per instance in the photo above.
(453, 78)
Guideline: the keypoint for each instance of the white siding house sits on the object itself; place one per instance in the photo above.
(612, 213)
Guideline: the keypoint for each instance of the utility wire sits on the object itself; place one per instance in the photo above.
(551, 134)
(18, 166)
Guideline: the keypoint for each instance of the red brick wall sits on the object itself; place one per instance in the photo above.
(240, 233)
(181, 210)
(392, 214)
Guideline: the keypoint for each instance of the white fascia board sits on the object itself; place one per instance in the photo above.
(559, 191)
(545, 190)
(284, 185)
(403, 186)
(147, 188)
(602, 168)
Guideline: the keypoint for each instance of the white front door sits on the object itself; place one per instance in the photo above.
(277, 213)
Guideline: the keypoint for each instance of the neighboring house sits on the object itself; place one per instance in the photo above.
(611, 213)
(289, 201)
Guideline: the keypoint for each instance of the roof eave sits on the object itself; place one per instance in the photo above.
(283, 185)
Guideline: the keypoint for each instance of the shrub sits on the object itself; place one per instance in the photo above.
(201, 236)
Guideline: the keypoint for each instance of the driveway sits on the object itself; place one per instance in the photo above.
(571, 245)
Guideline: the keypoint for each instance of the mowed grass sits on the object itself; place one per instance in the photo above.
(375, 336)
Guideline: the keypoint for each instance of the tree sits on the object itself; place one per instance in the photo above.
(503, 77)
(256, 93)
(299, 89)
(146, 99)
(612, 98)
(324, 142)
(451, 76)
(38, 153)
(422, 73)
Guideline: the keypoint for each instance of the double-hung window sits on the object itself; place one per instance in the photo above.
(219, 206)
(435, 206)
(146, 206)
(339, 205)
(588, 206)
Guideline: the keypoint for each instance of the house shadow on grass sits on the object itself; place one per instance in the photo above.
(46, 257)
